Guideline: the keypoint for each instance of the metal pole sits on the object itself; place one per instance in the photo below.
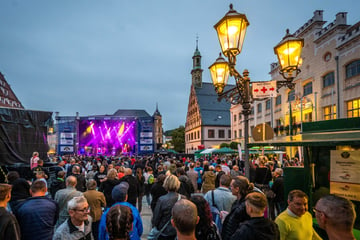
(246, 129)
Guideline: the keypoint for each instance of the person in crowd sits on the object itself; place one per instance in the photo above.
(296, 222)
(184, 219)
(208, 179)
(34, 160)
(336, 215)
(193, 175)
(234, 172)
(39, 169)
(37, 215)
(59, 167)
(9, 227)
(278, 189)
(186, 186)
(119, 222)
(20, 189)
(200, 170)
(141, 187)
(148, 183)
(58, 183)
(63, 196)
(121, 172)
(96, 201)
(205, 229)
(69, 166)
(133, 186)
(101, 175)
(91, 173)
(120, 195)
(240, 188)
(162, 213)
(78, 226)
(221, 196)
(257, 227)
(160, 170)
(262, 174)
(219, 172)
(107, 186)
(157, 191)
(224, 167)
(80, 178)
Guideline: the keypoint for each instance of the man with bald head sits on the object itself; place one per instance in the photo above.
(184, 219)
(336, 215)
(63, 196)
(133, 186)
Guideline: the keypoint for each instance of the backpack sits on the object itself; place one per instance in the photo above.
(151, 179)
(215, 213)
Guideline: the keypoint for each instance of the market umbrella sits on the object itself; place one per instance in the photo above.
(224, 150)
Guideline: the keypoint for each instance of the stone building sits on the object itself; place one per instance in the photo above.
(208, 120)
(328, 86)
(158, 129)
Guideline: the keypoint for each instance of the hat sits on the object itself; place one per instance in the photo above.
(120, 191)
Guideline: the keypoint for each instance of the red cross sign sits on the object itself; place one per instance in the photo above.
(264, 89)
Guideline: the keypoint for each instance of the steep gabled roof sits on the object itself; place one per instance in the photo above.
(131, 113)
(7, 96)
(213, 112)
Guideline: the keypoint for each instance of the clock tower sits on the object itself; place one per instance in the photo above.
(196, 72)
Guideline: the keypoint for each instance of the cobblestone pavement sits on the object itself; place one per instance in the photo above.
(146, 215)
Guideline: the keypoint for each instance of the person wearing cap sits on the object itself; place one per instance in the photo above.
(120, 196)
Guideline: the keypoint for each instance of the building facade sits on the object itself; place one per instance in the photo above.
(328, 86)
(208, 120)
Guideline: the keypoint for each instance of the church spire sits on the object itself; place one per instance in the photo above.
(196, 72)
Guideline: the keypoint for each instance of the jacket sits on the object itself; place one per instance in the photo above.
(162, 214)
(106, 187)
(62, 197)
(137, 230)
(186, 187)
(56, 185)
(208, 181)
(257, 228)
(234, 218)
(67, 231)
(223, 198)
(157, 190)
(37, 217)
(96, 201)
(9, 227)
(133, 188)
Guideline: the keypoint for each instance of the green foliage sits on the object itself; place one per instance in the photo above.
(178, 139)
(234, 145)
(224, 145)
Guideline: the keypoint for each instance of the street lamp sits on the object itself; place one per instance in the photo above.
(231, 30)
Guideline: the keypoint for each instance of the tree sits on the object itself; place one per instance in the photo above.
(178, 139)
(222, 145)
(234, 145)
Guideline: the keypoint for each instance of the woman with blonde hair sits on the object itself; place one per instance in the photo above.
(164, 205)
(107, 186)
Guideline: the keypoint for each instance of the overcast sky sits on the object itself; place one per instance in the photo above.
(95, 57)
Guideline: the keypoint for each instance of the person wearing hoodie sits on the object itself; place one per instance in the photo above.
(107, 186)
(58, 183)
(186, 186)
(257, 227)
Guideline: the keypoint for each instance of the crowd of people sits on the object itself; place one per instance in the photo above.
(102, 198)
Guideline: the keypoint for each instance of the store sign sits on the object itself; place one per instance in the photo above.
(344, 174)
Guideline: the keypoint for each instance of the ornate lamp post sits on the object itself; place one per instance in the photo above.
(231, 30)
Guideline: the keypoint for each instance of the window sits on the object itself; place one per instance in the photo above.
(307, 88)
(330, 112)
(308, 117)
(329, 79)
(192, 136)
(278, 100)
(234, 117)
(259, 108)
(229, 133)
(252, 111)
(267, 104)
(235, 134)
(240, 116)
(221, 133)
(353, 69)
(240, 133)
(211, 133)
(353, 108)
(291, 96)
(198, 133)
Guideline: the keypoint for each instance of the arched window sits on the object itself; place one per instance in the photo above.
(353, 69)
(329, 79)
